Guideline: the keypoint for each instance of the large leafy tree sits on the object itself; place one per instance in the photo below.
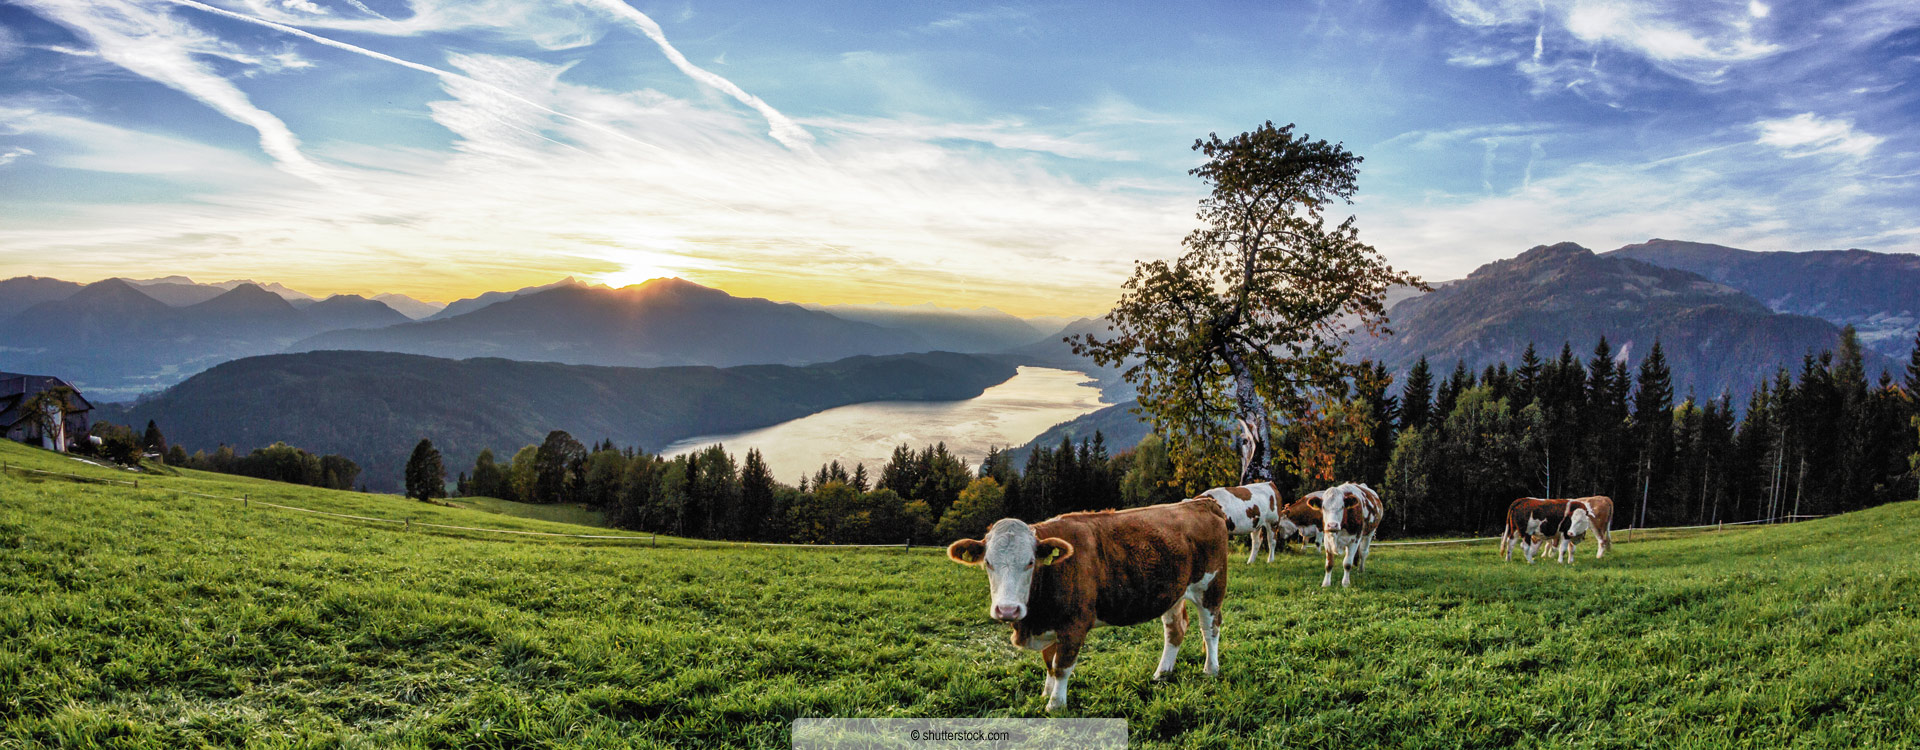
(1250, 320)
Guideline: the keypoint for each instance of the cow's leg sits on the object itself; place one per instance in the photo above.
(1174, 621)
(1528, 545)
(1603, 539)
(1273, 543)
(1046, 663)
(1060, 668)
(1326, 545)
(1253, 544)
(1366, 548)
(1506, 545)
(1210, 593)
(1346, 573)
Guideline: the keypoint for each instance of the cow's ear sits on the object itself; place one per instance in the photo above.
(1051, 550)
(967, 551)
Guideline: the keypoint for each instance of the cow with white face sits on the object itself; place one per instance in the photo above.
(1054, 581)
(1253, 510)
(1300, 519)
(1350, 514)
(1580, 522)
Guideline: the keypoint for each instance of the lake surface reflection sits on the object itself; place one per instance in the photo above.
(1007, 415)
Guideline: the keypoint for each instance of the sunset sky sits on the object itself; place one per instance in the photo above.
(1018, 156)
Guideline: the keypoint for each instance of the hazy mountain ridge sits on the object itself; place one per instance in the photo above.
(373, 406)
(1878, 293)
(663, 322)
(114, 340)
(977, 330)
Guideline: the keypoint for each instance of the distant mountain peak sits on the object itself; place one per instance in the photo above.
(1557, 250)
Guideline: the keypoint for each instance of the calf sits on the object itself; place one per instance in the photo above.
(1055, 580)
(1252, 510)
(1349, 516)
(1532, 520)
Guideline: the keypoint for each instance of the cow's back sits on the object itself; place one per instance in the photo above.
(1128, 566)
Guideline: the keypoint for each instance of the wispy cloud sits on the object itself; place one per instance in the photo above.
(154, 44)
(1808, 134)
(783, 130)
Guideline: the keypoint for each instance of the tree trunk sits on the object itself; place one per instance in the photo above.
(1256, 464)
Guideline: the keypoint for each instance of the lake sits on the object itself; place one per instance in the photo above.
(1006, 415)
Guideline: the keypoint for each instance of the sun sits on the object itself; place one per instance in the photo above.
(630, 274)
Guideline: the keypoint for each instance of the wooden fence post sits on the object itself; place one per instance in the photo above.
(246, 500)
(909, 544)
(409, 524)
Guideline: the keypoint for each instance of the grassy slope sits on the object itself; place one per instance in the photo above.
(579, 515)
(142, 618)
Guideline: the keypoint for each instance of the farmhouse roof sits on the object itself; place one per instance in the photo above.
(16, 388)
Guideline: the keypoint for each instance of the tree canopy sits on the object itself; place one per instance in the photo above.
(1249, 322)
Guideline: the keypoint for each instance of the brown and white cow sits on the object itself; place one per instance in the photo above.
(1602, 507)
(1559, 524)
(1055, 580)
(1349, 516)
(1253, 510)
(1301, 519)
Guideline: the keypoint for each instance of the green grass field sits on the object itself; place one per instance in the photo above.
(578, 515)
(148, 618)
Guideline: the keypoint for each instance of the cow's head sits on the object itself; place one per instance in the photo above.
(1010, 554)
(1334, 502)
(1579, 520)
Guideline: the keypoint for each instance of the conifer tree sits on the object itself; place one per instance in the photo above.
(1416, 397)
(426, 476)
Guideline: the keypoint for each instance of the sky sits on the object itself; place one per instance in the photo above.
(1019, 156)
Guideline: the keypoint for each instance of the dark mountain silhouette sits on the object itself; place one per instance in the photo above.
(660, 323)
(946, 329)
(461, 307)
(1877, 293)
(1716, 337)
(374, 406)
(19, 293)
(353, 311)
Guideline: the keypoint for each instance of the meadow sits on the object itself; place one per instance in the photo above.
(151, 618)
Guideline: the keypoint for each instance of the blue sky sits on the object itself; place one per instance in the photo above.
(1019, 155)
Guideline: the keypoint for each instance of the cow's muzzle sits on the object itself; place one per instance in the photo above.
(1008, 612)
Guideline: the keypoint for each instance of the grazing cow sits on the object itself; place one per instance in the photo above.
(1349, 516)
(1055, 580)
(1252, 510)
(1602, 507)
(1300, 518)
(1559, 524)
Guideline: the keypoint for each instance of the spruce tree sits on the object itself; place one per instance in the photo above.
(426, 476)
(1416, 397)
(756, 495)
(153, 440)
(1653, 429)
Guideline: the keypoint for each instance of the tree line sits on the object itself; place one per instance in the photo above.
(278, 462)
(1825, 439)
(925, 496)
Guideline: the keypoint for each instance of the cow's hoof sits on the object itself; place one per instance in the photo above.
(1162, 676)
(1052, 706)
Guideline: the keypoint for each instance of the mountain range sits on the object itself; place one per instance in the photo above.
(659, 323)
(1877, 293)
(1717, 338)
(114, 339)
(373, 407)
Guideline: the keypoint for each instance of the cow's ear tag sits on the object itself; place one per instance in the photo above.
(1052, 550)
